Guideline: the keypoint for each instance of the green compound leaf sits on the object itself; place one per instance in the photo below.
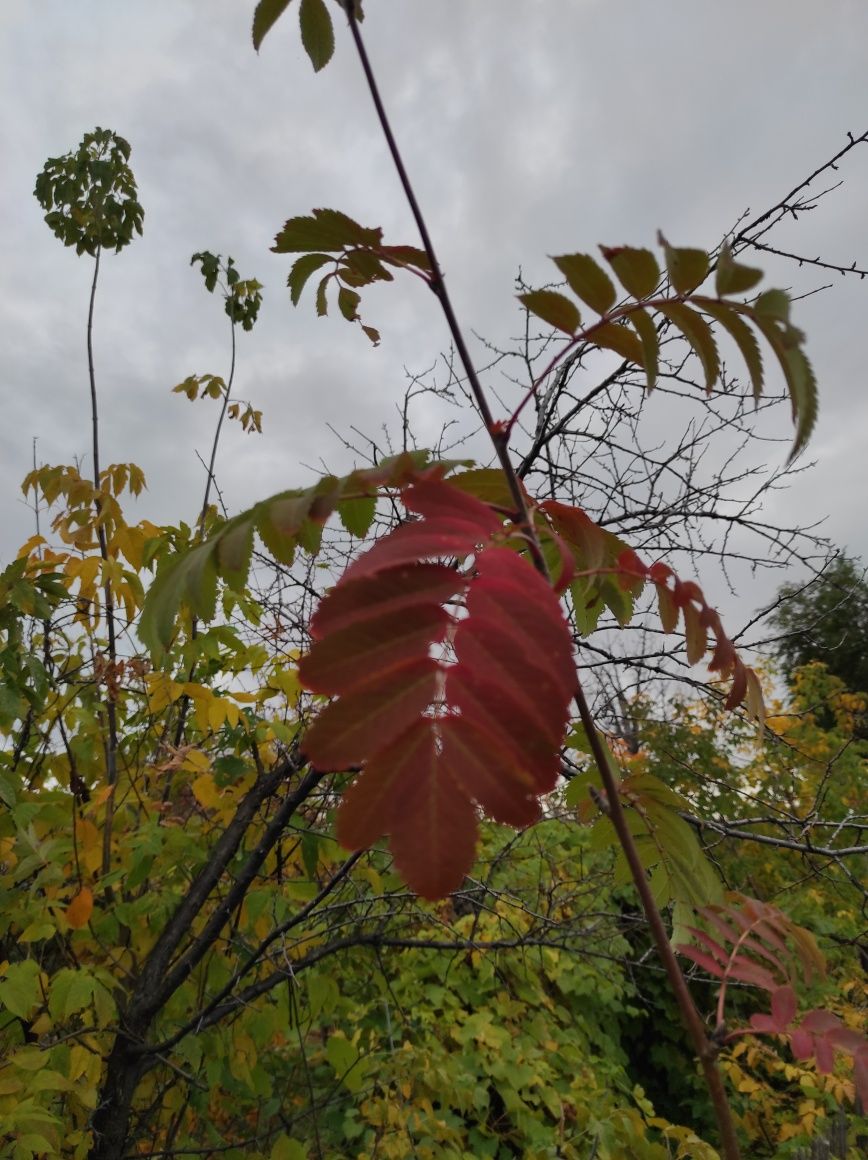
(317, 32)
(587, 280)
(284, 523)
(636, 269)
(553, 308)
(698, 333)
(358, 253)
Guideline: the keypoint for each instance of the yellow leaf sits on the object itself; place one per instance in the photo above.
(205, 791)
(196, 761)
(89, 844)
(162, 691)
(80, 909)
(216, 713)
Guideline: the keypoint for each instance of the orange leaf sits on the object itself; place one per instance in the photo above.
(80, 909)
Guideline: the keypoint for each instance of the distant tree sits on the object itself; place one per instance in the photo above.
(827, 620)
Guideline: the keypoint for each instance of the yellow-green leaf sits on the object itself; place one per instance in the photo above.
(687, 268)
(698, 333)
(617, 337)
(643, 323)
(636, 269)
(317, 33)
(587, 280)
(553, 308)
(741, 334)
(732, 277)
(267, 12)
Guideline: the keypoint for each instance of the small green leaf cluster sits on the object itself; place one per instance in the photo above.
(242, 298)
(90, 196)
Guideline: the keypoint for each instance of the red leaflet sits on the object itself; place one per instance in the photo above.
(511, 592)
(346, 658)
(455, 525)
(490, 772)
(434, 827)
(360, 724)
(438, 739)
(388, 592)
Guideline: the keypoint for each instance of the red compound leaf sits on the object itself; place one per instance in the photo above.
(601, 559)
(440, 739)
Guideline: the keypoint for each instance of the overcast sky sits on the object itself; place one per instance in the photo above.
(529, 128)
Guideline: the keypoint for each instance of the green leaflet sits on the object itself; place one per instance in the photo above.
(785, 341)
(317, 33)
(587, 280)
(637, 270)
(732, 277)
(266, 14)
(647, 331)
(555, 309)
(357, 514)
(687, 268)
(741, 334)
(301, 271)
(619, 338)
(698, 333)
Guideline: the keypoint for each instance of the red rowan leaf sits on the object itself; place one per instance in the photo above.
(824, 1054)
(455, 524)
(764, 1024)
(721, 955)
(580, 531)
(485, 646)
(438, 739)
(701, 959)
(801, 1044)
(418, 541)
(432, 498)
